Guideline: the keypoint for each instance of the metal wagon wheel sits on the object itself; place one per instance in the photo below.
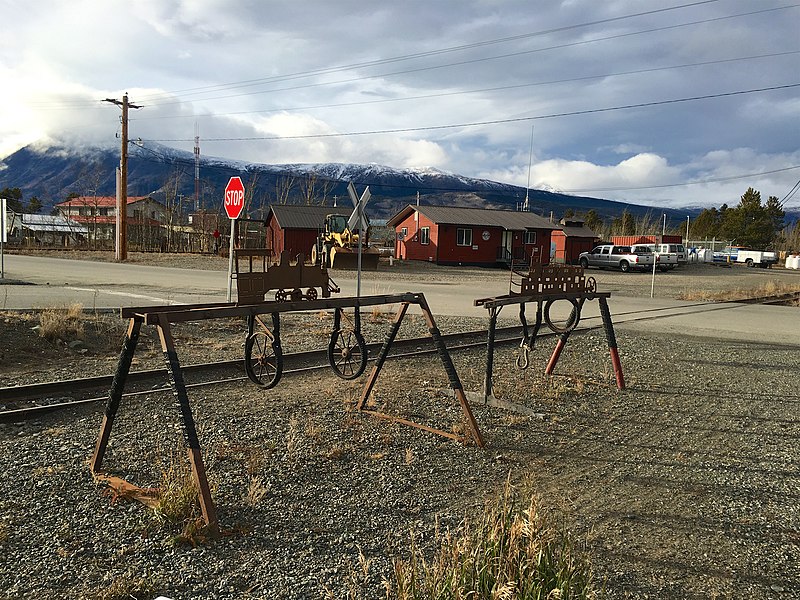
(263, 357)
(347, 350)
(347, 354)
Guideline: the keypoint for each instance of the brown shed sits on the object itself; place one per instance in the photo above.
(569, 240)
(294, 228)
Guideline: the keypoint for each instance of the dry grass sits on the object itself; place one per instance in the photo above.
(64, 323)
(256, 490)
(770, 288)
(178, 501)
(505, 553)
(127, 588)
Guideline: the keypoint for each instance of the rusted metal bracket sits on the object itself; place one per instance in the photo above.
(163, 316)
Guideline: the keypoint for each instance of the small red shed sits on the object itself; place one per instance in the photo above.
(295, 227)
(569, 240)
(449, 235)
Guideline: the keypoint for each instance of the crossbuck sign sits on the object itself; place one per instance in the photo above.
(358, 219)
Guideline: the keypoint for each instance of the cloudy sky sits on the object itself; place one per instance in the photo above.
(673, 103)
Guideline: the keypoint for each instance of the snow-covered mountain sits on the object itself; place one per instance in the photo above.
(53, 172)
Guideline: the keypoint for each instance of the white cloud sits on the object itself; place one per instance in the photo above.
(59, 60)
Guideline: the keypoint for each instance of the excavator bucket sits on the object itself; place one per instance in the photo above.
(347, 258)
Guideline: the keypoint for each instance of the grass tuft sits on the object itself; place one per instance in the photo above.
(65, 323)
(125, 588)
(505, 553)
(179, 503)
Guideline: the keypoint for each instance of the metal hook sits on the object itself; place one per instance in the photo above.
(522, 357)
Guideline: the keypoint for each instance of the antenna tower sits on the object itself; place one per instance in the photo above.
(196, 167)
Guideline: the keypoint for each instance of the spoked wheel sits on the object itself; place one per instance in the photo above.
(347, 354)
(263, 359)
(311, 294)
(281, 296)
(591, 285)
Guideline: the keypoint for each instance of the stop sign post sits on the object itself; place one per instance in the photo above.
(234, 205)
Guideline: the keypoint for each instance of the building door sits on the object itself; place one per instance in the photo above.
(508, 242)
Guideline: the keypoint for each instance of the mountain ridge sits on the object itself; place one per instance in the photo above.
(52, 172)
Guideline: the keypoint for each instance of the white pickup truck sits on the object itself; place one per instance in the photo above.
(616, 257)
(665, 260)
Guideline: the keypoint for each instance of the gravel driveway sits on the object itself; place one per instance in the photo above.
(685, 485)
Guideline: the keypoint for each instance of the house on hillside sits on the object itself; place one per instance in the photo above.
(448, 235)
(570, 239)
(44, 230)
(295, 228)
(145, 217)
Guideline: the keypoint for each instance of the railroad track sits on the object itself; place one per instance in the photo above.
(299, 362)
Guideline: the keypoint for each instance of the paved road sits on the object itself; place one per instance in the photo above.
(56, 282)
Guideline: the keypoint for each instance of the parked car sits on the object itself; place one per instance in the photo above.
(616, 257)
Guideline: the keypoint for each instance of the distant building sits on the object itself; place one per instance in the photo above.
(295, 228)
(570, 239)
(448, 235)
(145, 216)
(44, 230)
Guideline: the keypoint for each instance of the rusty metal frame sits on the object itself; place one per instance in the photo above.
(496, 304)
(163, 316)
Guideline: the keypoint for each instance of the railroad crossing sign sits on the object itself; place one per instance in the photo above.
(234, 197)
(358, 219)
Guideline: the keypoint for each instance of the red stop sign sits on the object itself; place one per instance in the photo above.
(234, 197)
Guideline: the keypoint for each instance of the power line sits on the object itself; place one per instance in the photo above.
(491, 122)
(669, 185)
(480, 90)
(469, 62)
(435, 52)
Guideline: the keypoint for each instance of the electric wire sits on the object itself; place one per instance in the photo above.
(471, 91)
(484, 123)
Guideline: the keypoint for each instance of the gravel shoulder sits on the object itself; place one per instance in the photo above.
(684, 485)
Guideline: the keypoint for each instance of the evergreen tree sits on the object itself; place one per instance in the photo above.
(593, 221)
(34, 205)
(14, 197)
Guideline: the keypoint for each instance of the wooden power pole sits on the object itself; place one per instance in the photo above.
(121, 245)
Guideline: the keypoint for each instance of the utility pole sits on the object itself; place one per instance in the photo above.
(121, 247)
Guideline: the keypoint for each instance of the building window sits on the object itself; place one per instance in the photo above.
(464, 237)
(530, 237)
(425, 235)
(403, 233)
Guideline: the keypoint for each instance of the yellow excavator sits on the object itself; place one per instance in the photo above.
(337, 247)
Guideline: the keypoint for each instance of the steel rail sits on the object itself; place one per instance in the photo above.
(27, 392)
(19, 414)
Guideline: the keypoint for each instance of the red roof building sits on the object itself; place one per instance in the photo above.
(448, 235)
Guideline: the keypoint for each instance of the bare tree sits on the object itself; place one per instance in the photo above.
(283, 188)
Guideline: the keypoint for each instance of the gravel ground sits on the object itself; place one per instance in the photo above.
(685, 485)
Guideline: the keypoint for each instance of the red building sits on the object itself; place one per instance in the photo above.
(295, 227)
(449, 235)
(569, 240)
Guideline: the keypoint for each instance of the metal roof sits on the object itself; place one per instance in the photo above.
(582, 231)
(51, 224)
(293, 216)
(480, 217)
